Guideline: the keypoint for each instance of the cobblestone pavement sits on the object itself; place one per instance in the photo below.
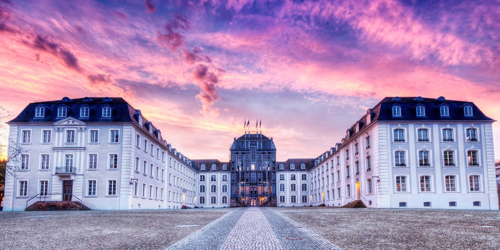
(253, 228)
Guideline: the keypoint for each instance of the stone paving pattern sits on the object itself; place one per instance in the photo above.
(254, 228)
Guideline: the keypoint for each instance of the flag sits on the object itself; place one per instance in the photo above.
(260, 123)
(256, 123)
(248, 123)
(245, 123)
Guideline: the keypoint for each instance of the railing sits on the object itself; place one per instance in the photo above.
(364, 200)
(65, 170)
(49, 197)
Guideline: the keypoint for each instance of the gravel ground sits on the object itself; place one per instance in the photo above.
(145, 229)
(401, 229)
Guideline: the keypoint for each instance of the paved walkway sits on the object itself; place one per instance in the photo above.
(253, 228)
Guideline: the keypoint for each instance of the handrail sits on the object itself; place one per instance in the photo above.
(363, 197)
(43, 198)
(31, 199)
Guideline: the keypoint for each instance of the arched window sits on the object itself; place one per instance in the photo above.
(304, 176)
(292, 177)
(423, 158)
(420, 111)
(292, 166)
(40, 112)
(62, 112)
(224, 199)
(224, 188)
(423, 134)
(202, 167)
(213, 178)
(106, 112)
(214, 167)
(303, 166)
(213, 188)
(202, 200)
(396, 111)
(213, 200)
(282, 187)
(202, 177)
(468, 111)
(202, 189)
(224, 167)
(84, 112)
(444, 111)
(471, 134)
(282, 166)
(282, 177)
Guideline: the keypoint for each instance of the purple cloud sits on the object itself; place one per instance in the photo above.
(172, 39)
(150, 7)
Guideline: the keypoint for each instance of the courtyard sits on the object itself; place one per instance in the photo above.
(252, 228)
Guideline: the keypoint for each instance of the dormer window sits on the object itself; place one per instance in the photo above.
(202, 167)
(292, 166)
(282, 166)
(62, 112)
(106, 112)
(40, 112)
(396, 111)
(303, 166)
(214, 167)
(140, 120)
(84, 112)
(468, 111)
(420, 111)
(444, 111)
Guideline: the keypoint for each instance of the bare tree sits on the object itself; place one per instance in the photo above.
(13, 149)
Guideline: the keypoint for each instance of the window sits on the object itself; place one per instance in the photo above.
(106, 112)
(448, 158)
(70, 136)
(339, 193)
(471, 134)
(400, 183)
(348, 190)
(146, 146)
(338, 175)
(113, 161)
(282, 187)
(420, 111)
(150, 191)
(214, 167)
(45, 161)
(304, 187)
(162, 174)
(25, 161)
(94, 136)
(450, 183)
(224, 188)
(304, 198)
(143, 189)
(425, 183)
(213, 200)
(423, 134)
(224, 177)
(152, 149)
(93, 187)
(444, 111)
(282, 177)
(93, 161)
(292, 166)
(84, 112)
(202, 200)
(472, 158)
(293, 199)
(356, 164)
(69, 162)
(474, 183)
(476, 203)
(396, 111)
(202, 189)
(224, 199)
(338, 160)
(447, 134)
(304, 177)
(145, 167)
(47, 135)
(400, 159)
(202, 167)
(402, 204)
(292, 177)
(44, 188)
(282, 199)
(213, 189)
(112, 187)
(26, 136)
(163, 156)
(468, 111)
(427, 204)
(356, 149)
(347, 154)
(303, 166)
(202, 177)
(370, 186)
(367, 142)
(282, 167)
(399, 135)
(62, 112)
(136, 188)
(292, 187)
(347, 172)
(115, 136)
(368, 164)
(157, 173)
(213, 178)
(23, 188)
(39, 112)
(452, 203)
(423, 158)
(156, 192)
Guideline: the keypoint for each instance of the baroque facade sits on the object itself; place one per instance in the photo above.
(409, 152)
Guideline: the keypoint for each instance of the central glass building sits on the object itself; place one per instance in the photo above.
(253, 170)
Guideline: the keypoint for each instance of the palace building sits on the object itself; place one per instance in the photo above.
(103, 154)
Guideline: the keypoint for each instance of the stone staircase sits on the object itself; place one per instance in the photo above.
(57, 205)
(355, 204)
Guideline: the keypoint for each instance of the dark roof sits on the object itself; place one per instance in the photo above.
(297, 162)
(208, 165)
(267, 143)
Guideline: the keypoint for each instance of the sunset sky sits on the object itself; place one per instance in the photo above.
(198, 69)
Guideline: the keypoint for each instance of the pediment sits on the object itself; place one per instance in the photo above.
(69, 121)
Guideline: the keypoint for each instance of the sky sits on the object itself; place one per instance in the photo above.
(198, 69)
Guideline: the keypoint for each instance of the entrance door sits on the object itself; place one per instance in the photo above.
(67, 190)
(358, 191)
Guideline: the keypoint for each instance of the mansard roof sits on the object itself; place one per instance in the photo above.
(309, 162)
(208, 165)
(267, 143)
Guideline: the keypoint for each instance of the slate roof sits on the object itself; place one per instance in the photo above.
(267, 143)
(208, 165)
(297, 162)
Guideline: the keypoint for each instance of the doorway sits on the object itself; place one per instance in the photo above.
(67, 190)
(358, 191)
